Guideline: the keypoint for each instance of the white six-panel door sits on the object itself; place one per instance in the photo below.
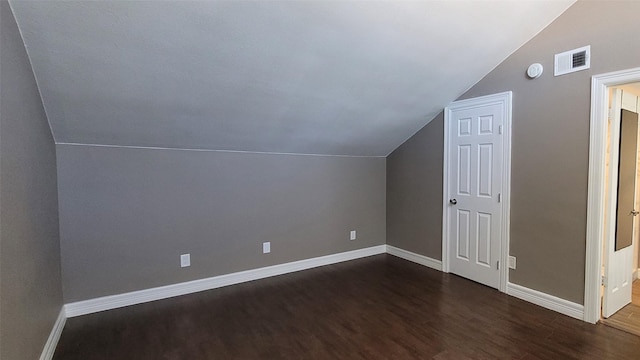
(474, 178)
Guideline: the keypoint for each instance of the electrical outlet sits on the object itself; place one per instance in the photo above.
(185, 260)
(266, 247)
(512, 262)
(352, 235)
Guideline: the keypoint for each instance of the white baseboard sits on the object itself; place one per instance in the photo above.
(533, 296)
(137, 297)
(636, 274)
(164, 292)
(52, 341)
(546, 301)
(416, 258)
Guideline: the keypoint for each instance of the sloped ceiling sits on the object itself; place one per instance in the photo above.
(339, 78)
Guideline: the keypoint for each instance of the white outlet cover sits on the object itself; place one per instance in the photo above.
(512, 262)
(352, 235)
(185, 260)
(266, 247)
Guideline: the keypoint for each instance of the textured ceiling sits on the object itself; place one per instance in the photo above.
(340, 78)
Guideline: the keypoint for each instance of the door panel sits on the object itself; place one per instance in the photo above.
(463, 235)
(620, 207)
(483, 256)
(474, 183)
(464, 168)
(485, 170)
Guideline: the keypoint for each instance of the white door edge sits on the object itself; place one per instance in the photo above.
(504, 99)
(596, 186)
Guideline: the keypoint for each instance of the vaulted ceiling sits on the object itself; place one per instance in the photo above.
(339, 78)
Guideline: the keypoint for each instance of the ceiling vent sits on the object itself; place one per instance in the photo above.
(572, 61)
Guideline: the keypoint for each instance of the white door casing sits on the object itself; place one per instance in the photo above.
(619, 263)
(596, 205)
(476, 189)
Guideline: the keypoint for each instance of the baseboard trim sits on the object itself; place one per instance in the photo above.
(163, 292)
(636, 274)
(416, 258)
(52, 342)
(546, 301)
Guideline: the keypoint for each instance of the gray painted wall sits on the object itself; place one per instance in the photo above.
(549, 153)
(126, 214)
(29, 238)
(414, 192)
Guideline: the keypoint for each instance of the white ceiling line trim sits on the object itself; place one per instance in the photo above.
(35, 77)
(212, 150)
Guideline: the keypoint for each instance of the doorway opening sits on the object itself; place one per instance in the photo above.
(620, 240)
(612, 234)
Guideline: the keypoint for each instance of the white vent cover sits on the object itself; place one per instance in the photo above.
(572, 60)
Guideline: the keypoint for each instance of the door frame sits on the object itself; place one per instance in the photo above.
(505, 99)
(596, 206)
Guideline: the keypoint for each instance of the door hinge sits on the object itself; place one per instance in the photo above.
(500, 129)
(603, 281)
(499, 197)
(610, 114)
(498, 265)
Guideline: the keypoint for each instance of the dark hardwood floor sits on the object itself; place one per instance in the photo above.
(380, 307)
(628, 318)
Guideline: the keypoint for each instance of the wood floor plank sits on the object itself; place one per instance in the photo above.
(380, 307)
(627, 319)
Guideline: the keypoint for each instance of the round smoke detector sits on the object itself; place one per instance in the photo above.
(534, 71)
